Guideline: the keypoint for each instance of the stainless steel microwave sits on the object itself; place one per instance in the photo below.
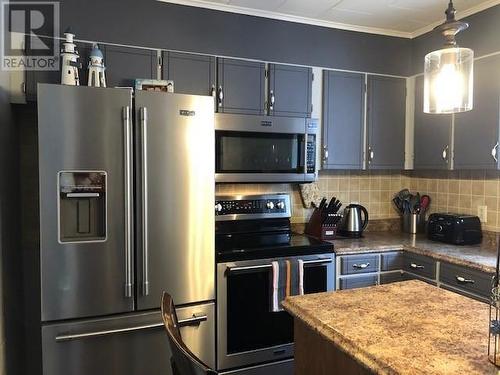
(265, 149)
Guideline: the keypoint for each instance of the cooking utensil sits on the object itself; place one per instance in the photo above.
(425, 202)
(398, 202)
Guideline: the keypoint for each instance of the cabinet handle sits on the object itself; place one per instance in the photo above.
(444, 154)
(360, 266)
(272, 99)
(494, 152)
(371, 154)
(463, 280)
(416, 266)
(212, 91)
(325, 152)
(220, 96)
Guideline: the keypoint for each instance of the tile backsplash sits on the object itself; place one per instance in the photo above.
(450, 191)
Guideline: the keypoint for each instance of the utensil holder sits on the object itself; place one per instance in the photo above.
(413, 223)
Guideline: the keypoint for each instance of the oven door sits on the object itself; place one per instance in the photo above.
(247, 331)
(263, 149)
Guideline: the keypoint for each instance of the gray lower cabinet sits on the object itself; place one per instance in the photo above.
(386, 114)
(354, 282)
(276, 368)
(356, 264)
(419, 265)
(393, 277)
(192, 74)
(432, 137)
(466, 279)
(343, 120)
(290, 91)
(391, 261)
(477, 131)
(124, 65)
(240, 86)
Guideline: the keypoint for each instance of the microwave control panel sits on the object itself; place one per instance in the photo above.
(311, 154)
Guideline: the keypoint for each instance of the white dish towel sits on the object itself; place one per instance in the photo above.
(276, 278)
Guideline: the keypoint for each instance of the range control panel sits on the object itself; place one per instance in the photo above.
(252, 206)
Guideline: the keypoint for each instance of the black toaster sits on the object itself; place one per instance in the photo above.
(454, 229)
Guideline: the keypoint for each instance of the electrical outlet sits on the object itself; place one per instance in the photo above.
(482, 212)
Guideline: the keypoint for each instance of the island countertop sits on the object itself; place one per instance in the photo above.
(401, 328)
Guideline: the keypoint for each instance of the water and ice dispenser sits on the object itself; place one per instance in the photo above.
(82, 206)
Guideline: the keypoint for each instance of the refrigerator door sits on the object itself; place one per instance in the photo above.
(133, 344)
(175, 185)
(85, 165)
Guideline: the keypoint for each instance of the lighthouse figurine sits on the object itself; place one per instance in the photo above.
(96, 68)
(69, 61)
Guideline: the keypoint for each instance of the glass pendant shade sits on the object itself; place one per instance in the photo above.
(448, 80)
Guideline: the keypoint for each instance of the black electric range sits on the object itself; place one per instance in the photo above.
(258, 227)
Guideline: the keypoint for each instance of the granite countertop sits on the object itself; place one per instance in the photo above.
(482, 257)
(408, 327)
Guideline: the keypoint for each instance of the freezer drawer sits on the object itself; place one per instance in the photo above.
(134, 344)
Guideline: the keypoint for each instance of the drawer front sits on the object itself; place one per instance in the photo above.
(358, 282)
(420, 265)
(410, 276)
(464, 293)
(393, 277)
(391, 261)
(355, 264)
(467, 279)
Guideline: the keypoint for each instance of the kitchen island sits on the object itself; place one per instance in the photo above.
(402, 328)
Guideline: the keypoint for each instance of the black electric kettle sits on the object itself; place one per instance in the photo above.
(354, 221)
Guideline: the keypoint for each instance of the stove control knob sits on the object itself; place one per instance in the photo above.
(280, 205)
(270, 205)
(218, 207)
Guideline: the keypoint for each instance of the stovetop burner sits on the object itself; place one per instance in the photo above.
(258, 227)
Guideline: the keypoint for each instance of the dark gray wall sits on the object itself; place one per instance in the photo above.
(483, 36)
(155, 24)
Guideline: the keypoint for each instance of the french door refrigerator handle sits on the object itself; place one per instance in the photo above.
(145, 261)
(83, 335)
(128, 197)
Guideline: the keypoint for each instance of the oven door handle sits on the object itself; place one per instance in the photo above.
(248, 268)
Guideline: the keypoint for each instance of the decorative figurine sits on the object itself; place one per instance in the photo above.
(96, 68)
(69, 61)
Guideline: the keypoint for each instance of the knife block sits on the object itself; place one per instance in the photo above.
(322, 226)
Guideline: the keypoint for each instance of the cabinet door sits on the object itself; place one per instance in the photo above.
(343, 120)
(476, 131)
(432, 141)
(240, 86)
(192, 74)
(386, 122)
(290, 90)
(124, 65)
(34, 77)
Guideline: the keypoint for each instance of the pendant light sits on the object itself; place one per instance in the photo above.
(448, 74)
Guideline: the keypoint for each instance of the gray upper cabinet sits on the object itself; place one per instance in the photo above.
(343, 120)
(192, 74)
(124, 65)
(240, 86)
(386, 122)
(290, 90)
(477, 131)
(432, 140)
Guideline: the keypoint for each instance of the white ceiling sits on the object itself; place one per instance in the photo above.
(405, 18)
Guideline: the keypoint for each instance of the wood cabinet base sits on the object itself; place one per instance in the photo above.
(314, 355)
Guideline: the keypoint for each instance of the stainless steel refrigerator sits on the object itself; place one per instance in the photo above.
(126, 212)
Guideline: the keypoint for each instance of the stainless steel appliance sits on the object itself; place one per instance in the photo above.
(265, 149)
(251, 232)
(354, 221)
(102, 175)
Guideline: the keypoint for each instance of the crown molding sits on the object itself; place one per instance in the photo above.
(317, 22)
(459, 15)
(288, 17)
